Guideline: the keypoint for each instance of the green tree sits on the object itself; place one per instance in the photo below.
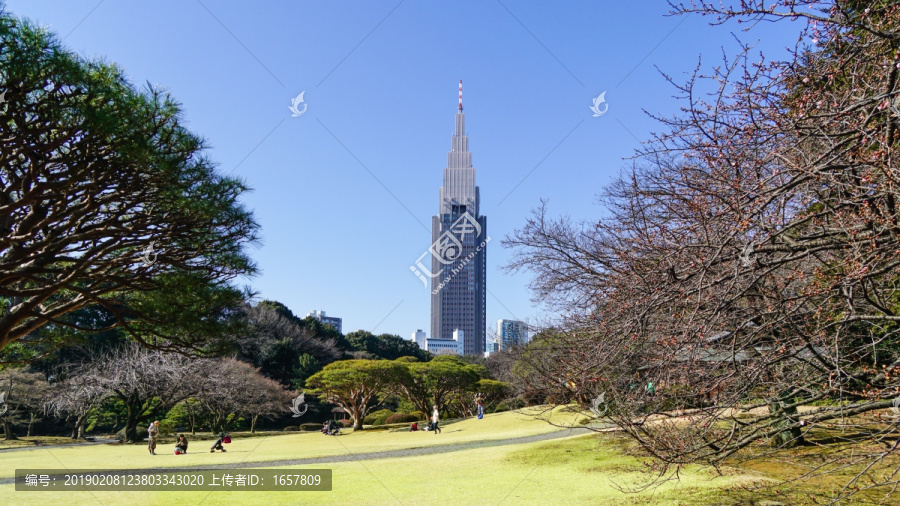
(355, 385)
(107, 199)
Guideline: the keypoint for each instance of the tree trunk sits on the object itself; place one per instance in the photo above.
(7, 428)
(787, 436)
(253, 424)
(131, 424)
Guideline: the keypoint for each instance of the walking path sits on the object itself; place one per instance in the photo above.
(407, 452)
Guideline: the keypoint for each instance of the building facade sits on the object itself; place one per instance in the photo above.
(512, 333)
(454, 346)
(458, 250)
(330, 320)
(419, 338)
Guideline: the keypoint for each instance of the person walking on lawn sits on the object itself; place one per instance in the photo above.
(152, 434)
(435, 418)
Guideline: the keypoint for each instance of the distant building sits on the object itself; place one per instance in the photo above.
(492, 347)
(330, 320)
(419, 337)
(459, 253)
(455, 346)
(512, 333)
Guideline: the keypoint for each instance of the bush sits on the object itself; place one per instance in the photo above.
(401, 418)
(509, 405)
(292, 428)
(166, 427)
(372, 417)
(141, 433)
(310, 427)
(419, 415)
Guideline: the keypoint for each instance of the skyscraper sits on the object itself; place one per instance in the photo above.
(458, 250)
(511, 333)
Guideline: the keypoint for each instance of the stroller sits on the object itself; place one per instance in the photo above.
(331, 428)
(223, 438)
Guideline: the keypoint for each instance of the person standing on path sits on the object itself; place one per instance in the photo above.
(152, 434)
(435, 418)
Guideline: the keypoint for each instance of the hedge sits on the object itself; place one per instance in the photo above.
(401, 418)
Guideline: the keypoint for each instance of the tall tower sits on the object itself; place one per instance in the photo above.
(459, 258)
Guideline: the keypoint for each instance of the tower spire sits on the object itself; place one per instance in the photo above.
(460, 94)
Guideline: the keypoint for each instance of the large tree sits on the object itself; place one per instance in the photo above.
(107, 199)
(748, 256)
(148, 382)
(356, 385)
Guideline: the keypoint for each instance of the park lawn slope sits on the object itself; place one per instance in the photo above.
(497, 426)
(575, 470)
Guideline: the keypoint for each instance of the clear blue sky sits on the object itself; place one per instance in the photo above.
(342, 192)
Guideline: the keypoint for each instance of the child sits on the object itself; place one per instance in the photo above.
(414, 427)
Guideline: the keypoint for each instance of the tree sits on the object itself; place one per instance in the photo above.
(435, 382)
(275, 342)
(72, 401)
(23, 394)
(748, 255)
(148, 382)
(107, 199)
(233, 388)
(386, 346)
(356, 384)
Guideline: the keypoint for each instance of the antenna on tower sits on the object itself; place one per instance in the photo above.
(460, 94)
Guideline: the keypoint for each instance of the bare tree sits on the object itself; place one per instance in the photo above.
(21, 399)
(748, 261)
(148, 382)
(234, 388)
(73, 399)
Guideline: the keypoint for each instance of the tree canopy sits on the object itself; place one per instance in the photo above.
(106, 199)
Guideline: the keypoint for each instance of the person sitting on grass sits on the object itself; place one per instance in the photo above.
(181, 445)
(414, 427)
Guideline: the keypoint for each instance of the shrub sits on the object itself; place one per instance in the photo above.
(401, 418)
(509, 405)
(310, 427)
(419, 415)
(166, 427)
(292, 428)
(372, 417)
(141, 433)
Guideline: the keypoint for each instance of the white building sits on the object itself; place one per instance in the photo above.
(330, 320)
(453, 346)
(419, 338)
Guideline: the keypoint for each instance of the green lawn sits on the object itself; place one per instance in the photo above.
(289, 446)
(576, 470)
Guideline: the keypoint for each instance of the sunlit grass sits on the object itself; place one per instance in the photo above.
(576, 470)
(289, 446)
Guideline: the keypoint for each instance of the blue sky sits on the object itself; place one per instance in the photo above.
(345, 192)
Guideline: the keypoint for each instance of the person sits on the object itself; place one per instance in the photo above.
(223, 437)
(479, 401)
(414, 427)
(181, 445)
(435, 418)
(152, 434)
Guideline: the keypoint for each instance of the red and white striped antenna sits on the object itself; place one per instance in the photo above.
(460, 94)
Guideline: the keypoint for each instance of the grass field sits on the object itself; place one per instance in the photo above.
(583, 469)
(575, 470)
